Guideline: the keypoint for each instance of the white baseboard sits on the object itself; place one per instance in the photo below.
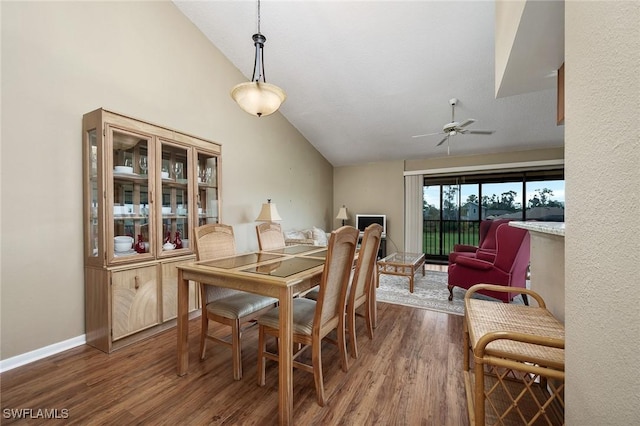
(26, 358)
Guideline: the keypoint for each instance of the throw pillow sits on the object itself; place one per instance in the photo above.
(295, 235)
(319, 237)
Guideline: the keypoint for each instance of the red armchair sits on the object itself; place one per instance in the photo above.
(509, 267)
(486, 248)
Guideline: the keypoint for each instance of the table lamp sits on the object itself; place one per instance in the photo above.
(342, 214)
(269, 213)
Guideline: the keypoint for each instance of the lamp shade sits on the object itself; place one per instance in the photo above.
(257, 98)
(269, 213)
(342, 214)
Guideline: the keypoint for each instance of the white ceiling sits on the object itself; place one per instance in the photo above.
(362, 77)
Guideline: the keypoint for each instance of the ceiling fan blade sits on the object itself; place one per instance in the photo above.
(480, 132)
(466, 122)
(443, 140)
(426, 134)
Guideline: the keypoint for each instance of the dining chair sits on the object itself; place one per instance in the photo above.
(314, 320)
(270, 236)
(361, 287)
(225, 306)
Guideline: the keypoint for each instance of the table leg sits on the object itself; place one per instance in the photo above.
(285, 357)
(183, 325)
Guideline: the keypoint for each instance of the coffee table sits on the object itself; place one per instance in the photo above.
(403, 264)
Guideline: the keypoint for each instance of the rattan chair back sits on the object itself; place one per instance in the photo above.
(214, 240)
(270, 236)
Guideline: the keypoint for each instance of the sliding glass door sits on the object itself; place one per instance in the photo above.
(454, 206)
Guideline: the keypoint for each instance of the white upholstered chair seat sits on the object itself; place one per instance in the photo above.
(303, 312)
(240, 305)
(313, 293)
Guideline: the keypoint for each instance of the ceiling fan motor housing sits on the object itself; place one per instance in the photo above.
(450, 127)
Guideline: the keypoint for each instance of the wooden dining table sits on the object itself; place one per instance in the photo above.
(280, 273)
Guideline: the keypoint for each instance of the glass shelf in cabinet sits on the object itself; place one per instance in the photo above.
(129, 216)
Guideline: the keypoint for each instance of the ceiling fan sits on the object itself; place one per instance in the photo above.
(454, 127)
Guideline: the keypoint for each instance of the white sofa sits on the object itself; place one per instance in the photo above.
(312, 236)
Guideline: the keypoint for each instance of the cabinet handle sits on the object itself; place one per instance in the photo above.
(137, 281)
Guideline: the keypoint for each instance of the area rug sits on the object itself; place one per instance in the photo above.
(429, 292)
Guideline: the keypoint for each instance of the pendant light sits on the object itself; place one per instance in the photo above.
(257, 97)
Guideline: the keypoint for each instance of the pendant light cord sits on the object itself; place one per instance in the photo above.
(258, 16)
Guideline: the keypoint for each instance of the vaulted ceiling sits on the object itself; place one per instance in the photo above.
(363, 77)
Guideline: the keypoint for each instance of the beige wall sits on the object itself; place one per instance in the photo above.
(145, 59)
(602, 242)
(373, 188)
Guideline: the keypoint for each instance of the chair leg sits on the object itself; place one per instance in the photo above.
(236, 349)
(353, 343)
(525, 299)
(368, 317)
(261, 358)
(342, 344)
(317, 372)
(204, 329)
(450, 287)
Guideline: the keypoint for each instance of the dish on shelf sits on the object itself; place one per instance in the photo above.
(123, 174)
(127, 209)
(124, 253)
(123, 169)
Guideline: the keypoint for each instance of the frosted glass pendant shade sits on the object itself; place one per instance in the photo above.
(259, 99)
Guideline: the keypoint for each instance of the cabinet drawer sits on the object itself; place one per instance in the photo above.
(135, 300)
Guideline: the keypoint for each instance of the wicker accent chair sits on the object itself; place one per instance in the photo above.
(314, 320)
(509, 268)
(222, 305)
(270, 236)
(361, 288)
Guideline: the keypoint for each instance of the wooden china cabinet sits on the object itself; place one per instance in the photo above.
(145, 189)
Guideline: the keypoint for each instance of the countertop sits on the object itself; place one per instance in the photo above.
(554, 228)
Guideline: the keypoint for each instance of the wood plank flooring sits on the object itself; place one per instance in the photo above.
(409, 374)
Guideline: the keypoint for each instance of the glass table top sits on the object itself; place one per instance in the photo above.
(286, 268)
(407, 258)
(322, 254)
(295, 249)
(241, 260)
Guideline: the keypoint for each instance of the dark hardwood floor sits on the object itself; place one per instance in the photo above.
(409, 374)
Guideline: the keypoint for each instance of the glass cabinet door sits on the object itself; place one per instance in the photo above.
(92, 222)
(131, 228)
(208, 176)
(175, 208)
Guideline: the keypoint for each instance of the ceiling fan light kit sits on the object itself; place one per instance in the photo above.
(453, 128)
(258, 97)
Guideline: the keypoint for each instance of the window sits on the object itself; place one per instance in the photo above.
(454, 206)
